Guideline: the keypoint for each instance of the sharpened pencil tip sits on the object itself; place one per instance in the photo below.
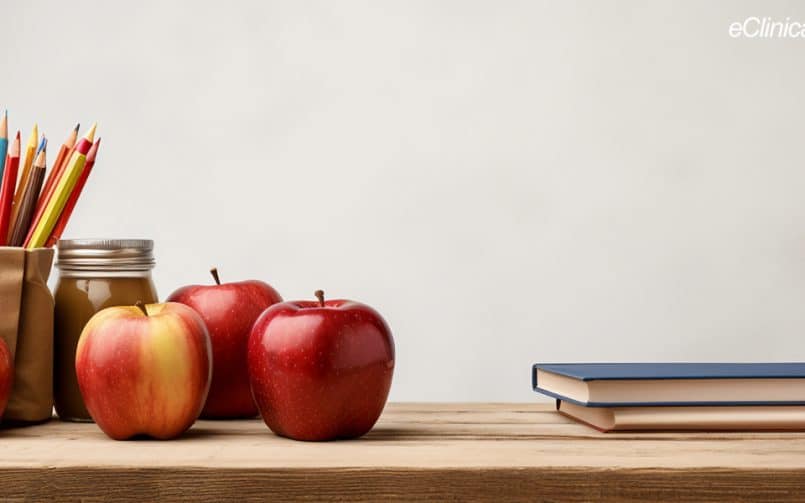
(33, 141)
(77, 125)
(14, 151)
(40, 159)
(93, 150)
(90, 136)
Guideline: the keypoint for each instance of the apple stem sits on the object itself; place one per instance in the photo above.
(214, 272)
(142, 307)
(320, 295)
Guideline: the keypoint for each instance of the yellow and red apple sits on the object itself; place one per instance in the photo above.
(145, 369)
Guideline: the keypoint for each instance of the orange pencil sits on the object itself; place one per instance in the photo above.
(7, 188)
(65, 152)
(64, 218)
(58, 164)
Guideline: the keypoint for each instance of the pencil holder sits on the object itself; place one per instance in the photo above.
(26, 325)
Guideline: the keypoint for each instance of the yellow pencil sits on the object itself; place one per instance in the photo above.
(64, 188)
(30, 154)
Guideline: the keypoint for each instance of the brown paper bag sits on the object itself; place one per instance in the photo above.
(26, 325)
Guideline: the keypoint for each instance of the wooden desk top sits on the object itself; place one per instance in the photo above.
(416, 451)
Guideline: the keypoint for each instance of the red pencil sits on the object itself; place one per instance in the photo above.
(7, 188)
(64, 218)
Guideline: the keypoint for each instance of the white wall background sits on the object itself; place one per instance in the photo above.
(507, 182)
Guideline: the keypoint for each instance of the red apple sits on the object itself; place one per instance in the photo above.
(6, 375)
(320, 370)
(229, 311)
(145, 369)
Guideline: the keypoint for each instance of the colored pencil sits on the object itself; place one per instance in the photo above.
(7, 188)
(27, 164)
(64, 218)
(58, 165)
(30, 155)
(3, 141)
(41, 231)
(29, 197)
(65, 152)
(22, 185)
(42, 146)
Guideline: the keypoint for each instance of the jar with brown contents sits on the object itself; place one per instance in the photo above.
(93, 274)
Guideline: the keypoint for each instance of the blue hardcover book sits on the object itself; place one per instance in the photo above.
(671, 384)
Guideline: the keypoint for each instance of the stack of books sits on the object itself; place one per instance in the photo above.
(677, 396)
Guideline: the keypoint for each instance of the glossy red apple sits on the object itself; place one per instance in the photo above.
(229, 311)
(6, 375)
(320, 370)
(145, 369)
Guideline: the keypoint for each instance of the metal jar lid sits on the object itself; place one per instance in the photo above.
(106, 255)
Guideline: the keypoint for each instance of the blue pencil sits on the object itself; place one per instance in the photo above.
(42, 144)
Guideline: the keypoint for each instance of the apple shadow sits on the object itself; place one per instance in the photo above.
(192, 434)
(382, 434)
(227, 419)
(375, 435)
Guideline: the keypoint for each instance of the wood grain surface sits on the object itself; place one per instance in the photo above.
(416, 452)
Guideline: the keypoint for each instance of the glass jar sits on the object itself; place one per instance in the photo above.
(93, 274)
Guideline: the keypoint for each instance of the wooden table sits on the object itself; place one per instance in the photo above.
(416, 451)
